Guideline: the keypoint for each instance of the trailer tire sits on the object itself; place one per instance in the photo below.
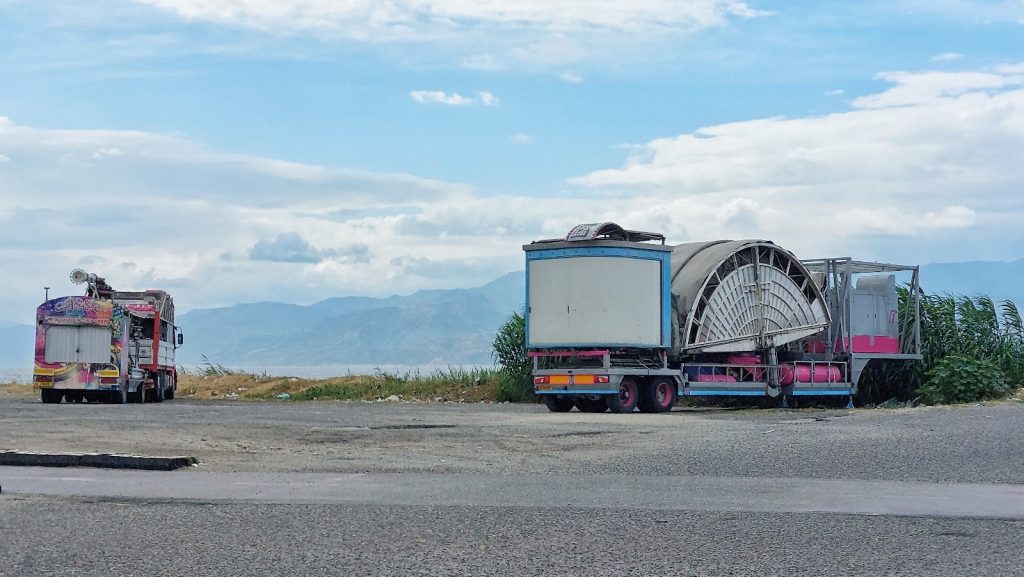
(51, 396)
(657, 396)
(625, 400)
(557, 404)
(598, 405)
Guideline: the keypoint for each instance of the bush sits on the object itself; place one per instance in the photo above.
(514, 381)
(964, 379)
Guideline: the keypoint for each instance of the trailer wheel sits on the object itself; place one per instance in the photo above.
(51, 396)
(598, 405)
(657, 396)
(625, 400)
(557, 404)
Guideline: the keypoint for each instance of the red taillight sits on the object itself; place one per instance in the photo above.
(600, 378)
(541, 380)
(108, 380)
(43, 378)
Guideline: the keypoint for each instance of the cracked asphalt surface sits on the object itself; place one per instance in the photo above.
(132, 535)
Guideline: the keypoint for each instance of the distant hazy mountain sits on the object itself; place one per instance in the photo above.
(427, 327)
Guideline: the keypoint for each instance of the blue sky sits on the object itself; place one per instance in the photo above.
(248, 150)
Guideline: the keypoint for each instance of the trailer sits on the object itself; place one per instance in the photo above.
(617, 319)
(106, 346)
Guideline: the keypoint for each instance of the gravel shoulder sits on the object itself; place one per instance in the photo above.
(970, 444)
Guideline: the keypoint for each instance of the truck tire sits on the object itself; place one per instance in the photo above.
(139, 396)
(557, 404)
(657, 396)
(74, 396)
(51, 396)
(158, 392)
(120, 396)
(626, 399)
(169, 393)
(598, 405)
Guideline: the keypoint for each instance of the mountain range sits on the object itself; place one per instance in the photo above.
(429, 327)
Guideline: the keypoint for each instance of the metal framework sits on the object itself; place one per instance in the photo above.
(838, 278)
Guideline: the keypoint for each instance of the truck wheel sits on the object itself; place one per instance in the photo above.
(557, 404)
(169, 393)
(120, 396)
(139, 396)
(625, 400)
(73, 396)
(598, 405)
(51, 396)
(657, 396)
(158, 392)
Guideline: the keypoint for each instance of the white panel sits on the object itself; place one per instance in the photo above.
(93, 345)
(77, 344)
(595, 300)
(61, 344)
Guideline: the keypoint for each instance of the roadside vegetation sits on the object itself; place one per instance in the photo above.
(455, 384)
(973, 350)
(514, 381)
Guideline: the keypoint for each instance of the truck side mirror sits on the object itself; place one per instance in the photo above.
(181, 339)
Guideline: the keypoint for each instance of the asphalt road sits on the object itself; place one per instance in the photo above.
(394, 489)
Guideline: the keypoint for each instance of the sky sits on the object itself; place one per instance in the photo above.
(250, 150)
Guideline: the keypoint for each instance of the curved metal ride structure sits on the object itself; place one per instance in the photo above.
(743, 295)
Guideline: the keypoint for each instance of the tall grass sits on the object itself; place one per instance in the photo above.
(952, 325)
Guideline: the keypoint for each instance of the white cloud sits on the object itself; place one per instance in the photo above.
(1017, 68)
(494, 33)
(481, 62)
(369, 19)
(4, 158)
(836, 92)
(933, 175)
(570, 77)
(454, 98)
(521, 138)
(947, 57)
(934, 160)
(924, 87)
(106, 152)
(170, 208)
(439, 97)
(487, 99)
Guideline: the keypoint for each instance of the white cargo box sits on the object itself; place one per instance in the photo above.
(597, 294)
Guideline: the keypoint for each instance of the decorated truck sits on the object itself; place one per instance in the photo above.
(106, 346)
(618, 319)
